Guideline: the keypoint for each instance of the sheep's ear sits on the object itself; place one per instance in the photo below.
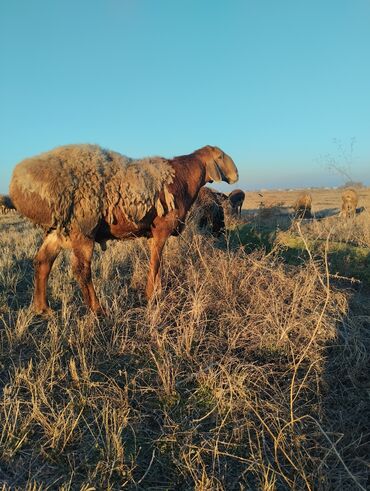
(213, 171)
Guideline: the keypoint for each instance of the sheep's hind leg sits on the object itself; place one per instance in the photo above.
(82, 251)
(43, 263)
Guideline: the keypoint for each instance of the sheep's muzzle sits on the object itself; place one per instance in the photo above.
(229, 170)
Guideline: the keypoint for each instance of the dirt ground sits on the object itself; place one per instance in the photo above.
(324, 201)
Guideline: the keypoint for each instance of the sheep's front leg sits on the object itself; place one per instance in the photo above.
(43, 263)
(154, 277)
(82, 251)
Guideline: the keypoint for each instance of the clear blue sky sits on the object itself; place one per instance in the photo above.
(272, 82)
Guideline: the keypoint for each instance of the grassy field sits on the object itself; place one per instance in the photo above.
(249, 372)
(324, 201)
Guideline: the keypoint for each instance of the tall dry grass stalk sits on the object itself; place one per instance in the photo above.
(246, 373)
(352, 231)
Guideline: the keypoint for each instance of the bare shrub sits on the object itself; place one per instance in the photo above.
(272, 214)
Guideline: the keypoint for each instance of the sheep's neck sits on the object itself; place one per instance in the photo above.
(194, 175)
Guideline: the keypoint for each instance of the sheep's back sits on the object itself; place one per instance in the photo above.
(236, 197)
(80, 184)
(65, 183)
(304, 201)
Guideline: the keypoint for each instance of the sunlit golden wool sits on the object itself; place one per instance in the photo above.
(82, 182)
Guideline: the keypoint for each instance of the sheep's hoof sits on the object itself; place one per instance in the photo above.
(100, 313)
(46, 312)
(154, 297)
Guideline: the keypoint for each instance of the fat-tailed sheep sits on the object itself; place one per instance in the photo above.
(303, 206)
(349, 202)
(82, 194)
(207, 212)
(236, 199)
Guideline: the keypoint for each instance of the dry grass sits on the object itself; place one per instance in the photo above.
(247, 373)
(352, 231)
(323, 200)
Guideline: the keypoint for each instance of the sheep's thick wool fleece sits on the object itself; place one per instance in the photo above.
(82, 183)
(208, 204)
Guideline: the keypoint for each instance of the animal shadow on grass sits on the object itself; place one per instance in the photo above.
(359, 210)
(345, 396)
(331, 212)
(20, 296)
(125, 273)
(327, 212)
(13, 322)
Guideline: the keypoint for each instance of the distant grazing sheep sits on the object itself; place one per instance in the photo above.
(82, 194)
(349, 202)
(236, 199)
(303, 205)
(207, 211)
(5, 205)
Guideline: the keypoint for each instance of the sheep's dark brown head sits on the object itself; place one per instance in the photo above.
(219, 166)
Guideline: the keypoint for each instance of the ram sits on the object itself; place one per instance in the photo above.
(6, 205)
(349, 202)
(236, 199)
(207, 212)
(303, 206)
(82, 194)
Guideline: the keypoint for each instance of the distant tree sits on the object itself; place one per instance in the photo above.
(342, 163)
